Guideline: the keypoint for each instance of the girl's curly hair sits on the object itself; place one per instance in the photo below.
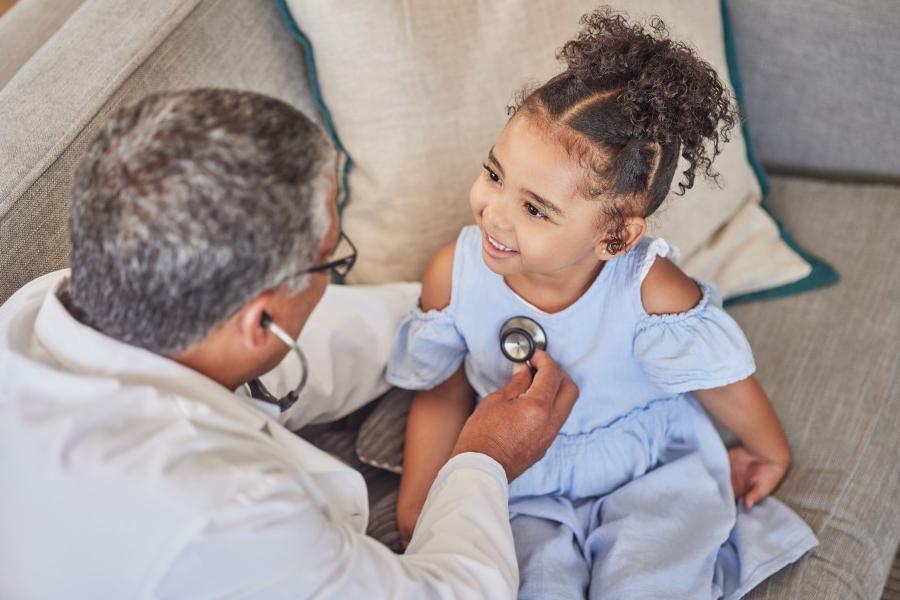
(641, 99)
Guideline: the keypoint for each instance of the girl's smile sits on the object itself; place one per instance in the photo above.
(495, 249)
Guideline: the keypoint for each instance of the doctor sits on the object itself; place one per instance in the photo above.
(203, 224)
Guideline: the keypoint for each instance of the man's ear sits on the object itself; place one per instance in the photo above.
(630, 234)
(249, 320)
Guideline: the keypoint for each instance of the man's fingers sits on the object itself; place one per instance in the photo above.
(548, 378)
(518, 384)
(541, 359)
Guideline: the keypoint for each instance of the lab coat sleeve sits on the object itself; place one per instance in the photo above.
(285, 547)
(464, 528)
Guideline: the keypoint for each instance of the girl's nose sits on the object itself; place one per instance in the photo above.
(496, 216)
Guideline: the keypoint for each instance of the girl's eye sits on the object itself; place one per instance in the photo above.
(534, 211)
(491, 173)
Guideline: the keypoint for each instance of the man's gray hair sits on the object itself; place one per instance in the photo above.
(188, 205)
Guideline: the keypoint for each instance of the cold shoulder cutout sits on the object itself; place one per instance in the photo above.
(437, 280)
(666, 289)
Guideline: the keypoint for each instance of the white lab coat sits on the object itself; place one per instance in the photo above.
(126, 475)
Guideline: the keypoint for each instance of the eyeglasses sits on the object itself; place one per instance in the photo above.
(345, 250)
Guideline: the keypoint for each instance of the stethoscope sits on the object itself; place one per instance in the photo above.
(520, 337)
(258, 390)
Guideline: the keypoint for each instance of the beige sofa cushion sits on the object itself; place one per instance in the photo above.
(418, 94)
(830, 362)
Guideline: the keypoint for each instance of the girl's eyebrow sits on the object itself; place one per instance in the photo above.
(544, 203)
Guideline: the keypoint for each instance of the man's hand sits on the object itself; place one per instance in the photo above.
(516, 424)
(753, 478)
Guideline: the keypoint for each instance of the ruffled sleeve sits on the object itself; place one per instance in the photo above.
(699, 349)
(427, 350)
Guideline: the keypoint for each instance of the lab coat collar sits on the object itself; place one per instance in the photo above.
(84, 350)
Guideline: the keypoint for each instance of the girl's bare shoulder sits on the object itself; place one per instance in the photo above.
(668, 290)
(437, 280)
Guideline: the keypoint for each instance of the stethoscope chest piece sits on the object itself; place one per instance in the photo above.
(520, 337)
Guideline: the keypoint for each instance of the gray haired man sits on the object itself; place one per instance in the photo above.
(203, 234)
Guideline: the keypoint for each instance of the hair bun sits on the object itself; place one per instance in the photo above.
(668, 93)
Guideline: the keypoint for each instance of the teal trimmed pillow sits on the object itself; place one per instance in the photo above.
(821, 273)
(416, 93)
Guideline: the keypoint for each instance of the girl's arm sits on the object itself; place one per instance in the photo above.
(435, 419)
(435, 416)
(744, 408)
(760, 463)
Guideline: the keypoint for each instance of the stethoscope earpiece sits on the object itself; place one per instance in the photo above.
(256, 387)
(520, 337)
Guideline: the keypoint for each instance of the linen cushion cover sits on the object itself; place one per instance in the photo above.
(416, 93)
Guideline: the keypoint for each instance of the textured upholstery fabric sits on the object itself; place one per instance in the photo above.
(380, 439)
(107, 54)
(383, 521)
(892, 589)
(830, 362)
(822, 83)
(418, 116)
(25, 27)
(86, 60)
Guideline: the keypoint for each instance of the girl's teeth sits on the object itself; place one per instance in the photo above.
(498, 245)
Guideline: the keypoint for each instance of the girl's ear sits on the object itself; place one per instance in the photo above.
(635, 228)
(631, 232)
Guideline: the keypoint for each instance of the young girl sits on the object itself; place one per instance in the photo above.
(636, 497)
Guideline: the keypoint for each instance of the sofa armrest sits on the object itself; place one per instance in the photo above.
(110, 53)
(25, 28)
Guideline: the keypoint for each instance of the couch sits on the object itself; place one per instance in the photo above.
(822, 85)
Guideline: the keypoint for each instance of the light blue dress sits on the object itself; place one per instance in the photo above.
(633, 499)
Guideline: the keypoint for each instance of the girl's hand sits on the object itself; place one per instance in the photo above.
(752, 477)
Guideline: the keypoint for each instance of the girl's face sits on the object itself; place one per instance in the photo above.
(526, 201)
